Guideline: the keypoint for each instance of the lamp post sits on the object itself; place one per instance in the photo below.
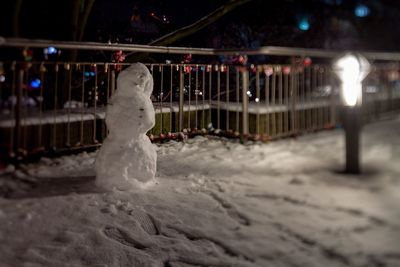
(351, 69)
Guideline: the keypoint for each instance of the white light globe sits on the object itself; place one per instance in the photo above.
(351, 70)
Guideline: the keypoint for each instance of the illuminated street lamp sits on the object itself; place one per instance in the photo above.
(351, 69)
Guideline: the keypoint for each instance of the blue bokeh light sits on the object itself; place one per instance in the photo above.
(35, 83)
(90, 73)
(51, 50)
(361, 11)
(304, 24)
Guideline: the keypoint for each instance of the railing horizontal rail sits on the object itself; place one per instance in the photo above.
(266, 50)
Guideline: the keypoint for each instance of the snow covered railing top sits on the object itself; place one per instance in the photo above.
(264, 50)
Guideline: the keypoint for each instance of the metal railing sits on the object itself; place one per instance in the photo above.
(55, 106)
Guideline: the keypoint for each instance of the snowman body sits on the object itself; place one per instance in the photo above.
(127, 157)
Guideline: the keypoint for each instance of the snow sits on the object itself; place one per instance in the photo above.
(217, 203)
(127, 156)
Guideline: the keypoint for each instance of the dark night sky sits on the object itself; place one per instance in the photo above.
(269, 22)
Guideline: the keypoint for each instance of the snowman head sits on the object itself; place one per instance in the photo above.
(136, 79)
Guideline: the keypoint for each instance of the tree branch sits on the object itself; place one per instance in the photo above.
(189, 29)
(85, 18)
(17, 12)
(198, 25)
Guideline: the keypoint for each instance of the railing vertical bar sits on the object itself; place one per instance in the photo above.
(108, 91)
(203, 125)
(69, 69)
(54, 144)
(95, 96)
(280, 102)
(11, 150)
(332, 102)
(161, 69)
(83, 104)
(196, 97)
(18, 107)
(40, 128)
(258, 100)
(273, 103)
(313, 89)
(181, 95)
(113, 77)
(237, 99)
(292, 101)
(321, 108)
(24, 111)
(328, 83)
(286, 102)
(209, 67)
(111, 86)
(106, 70)
(218, 97)
(325, 114)
(296, 107)
(308, 98)
(302, 99)
(267, 104)
(245, 100)
(227, 98)
(171, 76)
(189, 96)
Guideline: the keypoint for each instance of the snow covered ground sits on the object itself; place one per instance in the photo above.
(216, 203)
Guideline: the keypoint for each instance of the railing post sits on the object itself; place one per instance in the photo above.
(245, 103)
(181, 96)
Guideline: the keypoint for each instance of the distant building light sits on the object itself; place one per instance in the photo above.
(304, 24)
(35, 83)
(89, 73)
(361, 11)
(51, 50)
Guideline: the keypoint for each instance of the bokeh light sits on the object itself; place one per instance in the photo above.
(304, 24)
(361, 11)
(35, 83)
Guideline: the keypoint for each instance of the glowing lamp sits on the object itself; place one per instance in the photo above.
(2, 78)
(351, 70)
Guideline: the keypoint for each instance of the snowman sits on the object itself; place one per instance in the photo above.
(127, 156)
